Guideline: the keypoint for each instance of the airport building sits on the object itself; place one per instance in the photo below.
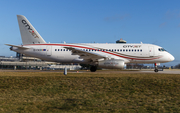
(121, 41)
(25, 62)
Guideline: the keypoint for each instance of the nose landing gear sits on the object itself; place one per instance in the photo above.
(156, 69)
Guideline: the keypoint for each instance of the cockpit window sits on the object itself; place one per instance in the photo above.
(161, 49)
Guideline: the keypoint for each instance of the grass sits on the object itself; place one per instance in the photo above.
(89, 92)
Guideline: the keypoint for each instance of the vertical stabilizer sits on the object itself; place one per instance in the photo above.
(29, 34)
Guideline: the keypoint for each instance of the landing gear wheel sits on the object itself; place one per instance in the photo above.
(156, 70)
(93, 68)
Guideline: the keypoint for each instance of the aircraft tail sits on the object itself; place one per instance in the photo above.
(29, 34)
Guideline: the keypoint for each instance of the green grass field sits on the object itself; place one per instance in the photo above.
(89, 92)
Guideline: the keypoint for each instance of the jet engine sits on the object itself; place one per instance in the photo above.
(111, 64)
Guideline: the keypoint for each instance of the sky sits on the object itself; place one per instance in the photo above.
(100, 21)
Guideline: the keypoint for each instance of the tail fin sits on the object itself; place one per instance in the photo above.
(29, 34)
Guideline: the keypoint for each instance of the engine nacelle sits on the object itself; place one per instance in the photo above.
(111, 64)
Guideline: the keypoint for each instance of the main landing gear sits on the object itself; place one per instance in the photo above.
(93, 68)
(156, 69)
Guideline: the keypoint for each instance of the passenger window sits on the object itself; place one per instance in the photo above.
(55, 49)
(138, 50)
(123, 49)
(132, 50)
(129, 50)
(126, 50)
(141, 50)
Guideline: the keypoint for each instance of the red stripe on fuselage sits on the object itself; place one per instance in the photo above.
(93, 49)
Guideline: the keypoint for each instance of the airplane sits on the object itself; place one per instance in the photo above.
(104, 55)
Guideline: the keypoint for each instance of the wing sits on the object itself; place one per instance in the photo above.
(86, 55)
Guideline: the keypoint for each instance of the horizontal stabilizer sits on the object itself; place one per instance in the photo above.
(20, 47)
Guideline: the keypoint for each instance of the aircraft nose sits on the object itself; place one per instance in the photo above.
(171, 58)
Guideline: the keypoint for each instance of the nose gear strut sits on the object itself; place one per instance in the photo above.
(156, 69)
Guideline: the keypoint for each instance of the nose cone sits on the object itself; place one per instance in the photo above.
(171, 58)
(167, 57)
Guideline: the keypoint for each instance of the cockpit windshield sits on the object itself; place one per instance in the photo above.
(161, 49)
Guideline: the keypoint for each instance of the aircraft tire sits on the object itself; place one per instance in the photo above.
(93, 68)
(156, 70)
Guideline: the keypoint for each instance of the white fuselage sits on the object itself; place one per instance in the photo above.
(129, 53)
